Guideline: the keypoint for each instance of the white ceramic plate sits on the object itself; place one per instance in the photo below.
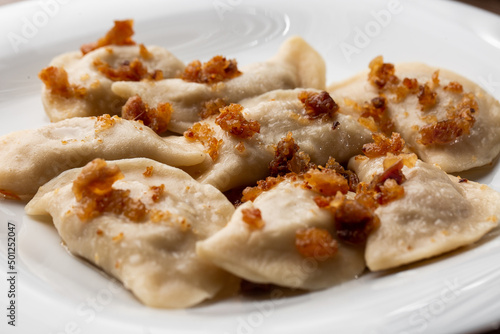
(57, 293)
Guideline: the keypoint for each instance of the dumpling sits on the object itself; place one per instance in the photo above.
(139, 220)
(259, 243)
(79, 85)
(295, 65)
(240, 160)
(29, 158)
(444, 118)
(436, 214)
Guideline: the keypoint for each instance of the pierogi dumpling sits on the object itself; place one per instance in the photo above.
(90, 92)
(268, 253)
(438, 213)
(243, 161)
(153, 254)
(443, 117)
(29, 158)
(295, 65)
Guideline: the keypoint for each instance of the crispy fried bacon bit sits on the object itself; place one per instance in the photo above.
(253, 218)
(144, 52)
(376, 110)
(354, 221)
(316, 243)
(382, 145)
(454, 87)
(232, 121)
(148, 172)
(251, 193)
(155, 118)
(104, 122)
(157, 192)
(350, 176)
(407, 86)
(392, 172)
(460, 121)
(427, 98)
(287, 158)
(205, 135)
(56, 81)
(318, 105)
(213, 71)
(326, 181)
(212, 107)
(7, 194)
(382, 74)
(120, 34)
(127, 71)
(95, 195)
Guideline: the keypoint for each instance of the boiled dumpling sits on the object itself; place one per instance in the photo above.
(259, 242)
(443, 117)
(29, 158)
(141, 226)
(437, 213)
(241, 160)
(295, 65)
(80, 85)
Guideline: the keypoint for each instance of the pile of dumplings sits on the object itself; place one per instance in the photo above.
(183, 180)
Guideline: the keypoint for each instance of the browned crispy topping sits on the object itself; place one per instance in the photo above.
(120, 34)
(56, 81)
(350, 176)
(326, 181)
(376, 110)
(104, 122)
(253, 218)
(215, 70)
(95, 195)
(460, 121)
(157, 192)
(316, 243)
(454, 87)
(232, 120)
(127, 71)
(148, 172)
(144, 52)
(212, 107)
(9, 195)
(354, 221)
(382, 145)
(427, 98)
(288, 158)
(382, 74)
(155, 118)
(205, 135)
(251, 193)
(240, 147)
(318, 105)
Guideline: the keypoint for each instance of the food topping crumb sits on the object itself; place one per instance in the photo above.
(148, 172)
(95, 195)
(56, 81)
(215, 70)
(316, 243)
(253, 218)
(382, 145)
(155, 118)
(127, 71)
(205, 135)
(318, 105)
(232, 121)
(120, 34)
(212, 107)
(288, 158)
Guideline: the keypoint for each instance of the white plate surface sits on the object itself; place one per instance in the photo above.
(57, 293)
